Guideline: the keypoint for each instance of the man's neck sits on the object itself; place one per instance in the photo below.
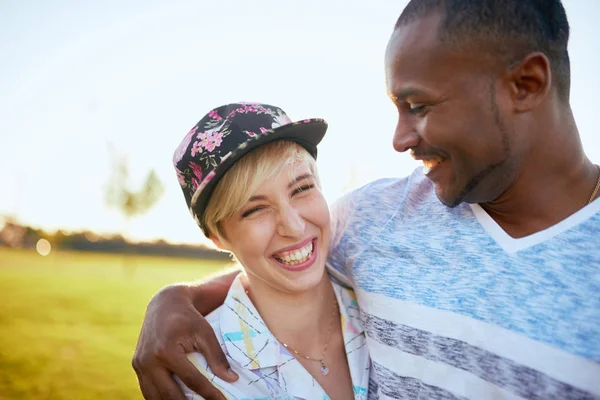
(543, 197)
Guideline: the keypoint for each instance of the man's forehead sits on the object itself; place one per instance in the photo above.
(412, 46)
(417, 61)
(415, 36)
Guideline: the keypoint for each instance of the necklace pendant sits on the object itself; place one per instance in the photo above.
(324, 369)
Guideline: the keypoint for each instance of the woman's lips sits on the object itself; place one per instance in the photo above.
(290, 263)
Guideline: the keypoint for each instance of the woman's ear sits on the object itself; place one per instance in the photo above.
(221, 244)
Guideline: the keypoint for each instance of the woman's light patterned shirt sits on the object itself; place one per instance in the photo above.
(267, 370)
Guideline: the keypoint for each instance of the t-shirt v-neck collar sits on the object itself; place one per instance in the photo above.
(512, 245)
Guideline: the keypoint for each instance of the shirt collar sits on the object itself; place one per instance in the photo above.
(246, 336)
(349, 311)
(250, 343)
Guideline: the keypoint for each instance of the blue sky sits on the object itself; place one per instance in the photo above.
(79, 76)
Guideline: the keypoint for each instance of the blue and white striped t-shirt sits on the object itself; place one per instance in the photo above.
(454, 308)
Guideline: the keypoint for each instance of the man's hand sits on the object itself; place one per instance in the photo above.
(173, 327)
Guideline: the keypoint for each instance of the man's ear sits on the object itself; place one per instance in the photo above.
(530, 81)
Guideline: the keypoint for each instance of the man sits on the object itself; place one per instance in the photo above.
(478, 276)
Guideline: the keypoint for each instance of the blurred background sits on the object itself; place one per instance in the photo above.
(94, 98)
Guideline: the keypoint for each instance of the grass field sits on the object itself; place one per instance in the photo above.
(69, 321)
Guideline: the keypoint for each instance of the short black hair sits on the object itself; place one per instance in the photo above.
(505, 29)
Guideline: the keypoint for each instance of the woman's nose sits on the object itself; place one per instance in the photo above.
(291, 223)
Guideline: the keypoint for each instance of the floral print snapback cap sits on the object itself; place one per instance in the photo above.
(225, 135)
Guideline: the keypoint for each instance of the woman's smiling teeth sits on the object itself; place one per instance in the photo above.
(296, 256)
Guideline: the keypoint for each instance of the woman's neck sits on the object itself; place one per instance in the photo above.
(300, 320)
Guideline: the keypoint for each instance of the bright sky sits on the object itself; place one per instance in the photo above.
(77, 76)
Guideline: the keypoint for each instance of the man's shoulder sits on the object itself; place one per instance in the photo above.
(392, 189)
(379, 200)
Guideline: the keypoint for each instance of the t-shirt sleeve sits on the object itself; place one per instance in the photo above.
(337, 266)
(358, 221)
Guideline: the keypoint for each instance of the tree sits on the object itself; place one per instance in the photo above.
(121, 196)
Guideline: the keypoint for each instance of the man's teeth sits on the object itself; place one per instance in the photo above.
(429, 164)
(297, 256)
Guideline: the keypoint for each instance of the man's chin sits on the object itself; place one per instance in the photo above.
(449, 200)
(470, 192)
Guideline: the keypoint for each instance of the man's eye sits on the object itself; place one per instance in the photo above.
(416, 108)
(303, 188)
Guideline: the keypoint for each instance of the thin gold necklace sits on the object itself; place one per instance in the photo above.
(596, 188)
(324, 368)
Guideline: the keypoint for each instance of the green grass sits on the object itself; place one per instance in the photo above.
(69, 321)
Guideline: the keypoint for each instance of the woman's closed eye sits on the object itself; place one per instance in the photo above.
(303, 188)
(252, 211)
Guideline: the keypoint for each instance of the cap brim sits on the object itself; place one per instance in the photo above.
(307, 133)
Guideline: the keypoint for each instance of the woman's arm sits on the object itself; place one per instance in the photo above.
(173, 326)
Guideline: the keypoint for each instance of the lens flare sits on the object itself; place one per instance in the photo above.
(43, 247)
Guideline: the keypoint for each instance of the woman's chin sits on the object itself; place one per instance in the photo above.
(293, 280)
(307, 280)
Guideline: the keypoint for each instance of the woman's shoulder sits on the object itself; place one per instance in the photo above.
(231, 390)
(226, 313)
(241, 333)
(214, 317)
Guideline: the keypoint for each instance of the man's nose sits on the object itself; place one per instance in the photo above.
(405, 136)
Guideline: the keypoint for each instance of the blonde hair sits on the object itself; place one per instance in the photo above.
(245, 176)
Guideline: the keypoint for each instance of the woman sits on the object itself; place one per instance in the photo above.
(249, 178)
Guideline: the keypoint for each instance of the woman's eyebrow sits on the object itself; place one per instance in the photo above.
(299, 178)
(254, 198)
(291, 184)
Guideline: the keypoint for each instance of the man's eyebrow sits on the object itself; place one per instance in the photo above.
(403, 94)
(292, 183)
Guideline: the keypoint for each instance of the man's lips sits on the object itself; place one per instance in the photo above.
(430, 161)
(429, 164)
